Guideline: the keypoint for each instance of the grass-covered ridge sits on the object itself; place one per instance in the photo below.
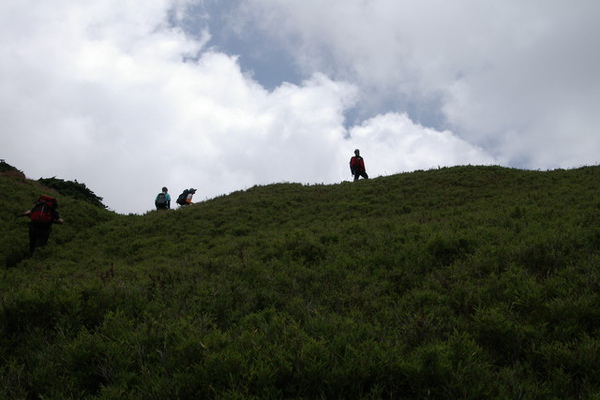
(464, 282)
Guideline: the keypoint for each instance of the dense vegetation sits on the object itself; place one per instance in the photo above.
(463, 282)
(72, 189)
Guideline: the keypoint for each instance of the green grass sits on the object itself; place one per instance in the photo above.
(464, 282)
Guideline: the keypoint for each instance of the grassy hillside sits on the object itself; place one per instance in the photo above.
(82, 208)
(464, 282)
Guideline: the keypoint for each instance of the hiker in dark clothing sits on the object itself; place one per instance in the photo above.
(185, 198)
(43, 214)
(357, 166)
(163, 200)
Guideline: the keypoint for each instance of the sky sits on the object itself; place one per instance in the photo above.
(128, 96)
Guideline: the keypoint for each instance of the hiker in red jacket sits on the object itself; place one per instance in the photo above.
(43, 214)
(357, 166)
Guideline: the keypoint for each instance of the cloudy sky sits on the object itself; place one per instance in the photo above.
(127, 96)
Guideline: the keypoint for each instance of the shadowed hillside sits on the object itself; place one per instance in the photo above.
(81, 206)
(463, 282)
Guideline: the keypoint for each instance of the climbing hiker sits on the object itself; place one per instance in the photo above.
(42, 215)
(185, 198)
(163, 200)
(357, 166)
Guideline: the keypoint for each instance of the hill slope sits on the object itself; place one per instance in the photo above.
(468, 282)
(82, 208)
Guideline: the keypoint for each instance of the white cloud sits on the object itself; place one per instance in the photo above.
(395, 143)
(500, 72)
(110, 94)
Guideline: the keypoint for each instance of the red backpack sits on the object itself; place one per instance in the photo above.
(43, 210)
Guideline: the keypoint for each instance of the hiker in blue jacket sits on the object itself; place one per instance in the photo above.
(163, 200)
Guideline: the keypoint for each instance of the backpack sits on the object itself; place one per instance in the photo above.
(43, 210)
(182, 197)
(161, 200)
(355, 164)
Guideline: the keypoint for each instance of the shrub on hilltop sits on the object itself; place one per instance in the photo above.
(73, 189)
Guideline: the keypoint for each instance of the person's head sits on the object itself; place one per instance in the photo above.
(165, 190)
(357, 152)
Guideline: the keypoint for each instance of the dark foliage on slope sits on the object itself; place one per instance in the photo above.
(464, 282)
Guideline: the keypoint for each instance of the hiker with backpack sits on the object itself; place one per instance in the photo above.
(185, 198)
(42, 215)
(357, 166)
(163, 200)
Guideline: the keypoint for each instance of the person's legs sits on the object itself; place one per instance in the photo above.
(43, 237)
(358, 174)
(32, 239)
(38, 237)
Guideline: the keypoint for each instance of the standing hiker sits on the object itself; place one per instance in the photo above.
(185, 198)
(163, 200)
(357, 166)
(41, 217)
